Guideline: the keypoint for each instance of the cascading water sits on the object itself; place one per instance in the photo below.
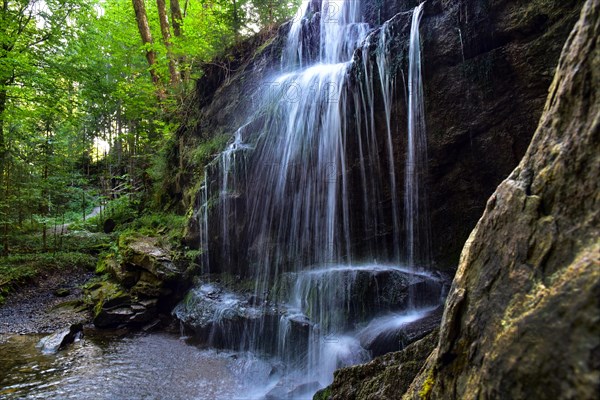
(289, 199)
(415, 211)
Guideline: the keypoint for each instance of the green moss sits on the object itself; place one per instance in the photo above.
(427, 386)
(264, 46)
(323, 394)
(103, 291)
(206, 151)
(101, 267)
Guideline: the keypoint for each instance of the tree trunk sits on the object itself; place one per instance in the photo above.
(44, 237)
(3, 99)
(236, 19)
(166, 34)
(176, 17)
(144, 28)
(3, 196)
(6, 249)
(3, 152)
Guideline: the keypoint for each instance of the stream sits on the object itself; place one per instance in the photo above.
(142, 366)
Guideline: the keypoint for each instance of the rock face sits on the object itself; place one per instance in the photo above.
(381, 342)
(522, 320)
(220, 317)
(523, 317)
(487, 68)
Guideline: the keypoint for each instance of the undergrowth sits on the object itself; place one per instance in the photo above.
(20, 269)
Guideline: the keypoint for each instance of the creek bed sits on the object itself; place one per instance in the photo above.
(152, 366)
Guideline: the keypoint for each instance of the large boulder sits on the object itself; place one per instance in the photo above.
(145, 282)
(352, 295)
(222, 318)
(389, 334)
(146, 253)
(115, 307)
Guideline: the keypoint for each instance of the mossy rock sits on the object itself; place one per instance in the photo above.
(323, 394)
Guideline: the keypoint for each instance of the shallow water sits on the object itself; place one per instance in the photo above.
(156, 366)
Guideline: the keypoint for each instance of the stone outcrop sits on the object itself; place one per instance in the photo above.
(390, 341)
(219, 317)
(145, 282)
(487, 68)
(522, 320)
(383, 378)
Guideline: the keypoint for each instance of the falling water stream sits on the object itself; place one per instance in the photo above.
(416, 160)
(283, 197)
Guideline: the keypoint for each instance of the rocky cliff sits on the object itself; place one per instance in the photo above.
(488, 65)
(522, 320)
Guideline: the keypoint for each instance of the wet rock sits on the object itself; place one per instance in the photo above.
(395, 338)
(220, 318)
(152, 326)
(497, 57)
(521, 319)
(118, 300)
(352, 295)
(111, 318)
(53, 343)
(385, 377)
(116, 308)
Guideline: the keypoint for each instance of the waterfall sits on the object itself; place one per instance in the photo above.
(304, 201)
(203, 224)
(415, 211)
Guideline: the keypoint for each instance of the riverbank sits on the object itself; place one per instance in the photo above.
(51, 301)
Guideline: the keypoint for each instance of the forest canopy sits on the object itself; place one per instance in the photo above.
(89, 92)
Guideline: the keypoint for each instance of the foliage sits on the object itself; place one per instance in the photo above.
(206, 151)
(75, 241)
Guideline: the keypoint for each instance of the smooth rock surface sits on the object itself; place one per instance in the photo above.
(58, 340)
